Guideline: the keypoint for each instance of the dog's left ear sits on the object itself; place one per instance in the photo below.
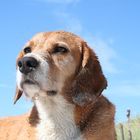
(90, 81)
(17, 95)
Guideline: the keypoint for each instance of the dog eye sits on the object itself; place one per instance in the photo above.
(27, 50)
(60, 49)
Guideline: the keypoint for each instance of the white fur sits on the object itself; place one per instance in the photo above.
(56, 119)
(56, 116)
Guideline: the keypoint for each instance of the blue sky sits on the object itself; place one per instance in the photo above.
(111, 28)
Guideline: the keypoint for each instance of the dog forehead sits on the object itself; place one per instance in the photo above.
(38, 39)
(66, 37)
(54, 37)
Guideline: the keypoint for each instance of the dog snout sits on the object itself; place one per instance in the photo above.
(27, 64)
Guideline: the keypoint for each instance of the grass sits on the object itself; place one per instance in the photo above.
(135, 129)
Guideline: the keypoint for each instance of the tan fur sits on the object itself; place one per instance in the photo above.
(82, 82)
(16, 128)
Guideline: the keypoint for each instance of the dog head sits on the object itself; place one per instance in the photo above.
(59, 63)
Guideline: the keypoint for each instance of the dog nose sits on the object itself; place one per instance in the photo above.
(27, 64)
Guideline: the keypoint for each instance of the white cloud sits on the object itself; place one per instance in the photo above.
(74, 26)
(125, 89)
(60, 1)
(70, 23)
(105, 52)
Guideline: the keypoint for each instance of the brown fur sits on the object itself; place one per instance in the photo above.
(94, 114)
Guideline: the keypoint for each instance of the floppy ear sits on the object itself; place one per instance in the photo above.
(90, 81)
(17, 95)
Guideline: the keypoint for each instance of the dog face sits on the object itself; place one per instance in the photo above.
(59, 63)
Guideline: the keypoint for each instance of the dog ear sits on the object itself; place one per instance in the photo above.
(17, 95)
(90, 81)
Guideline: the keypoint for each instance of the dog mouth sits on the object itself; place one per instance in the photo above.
(29, 82)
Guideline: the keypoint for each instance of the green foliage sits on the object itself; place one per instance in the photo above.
(134, 127)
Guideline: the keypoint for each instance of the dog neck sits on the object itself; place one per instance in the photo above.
(56, 119)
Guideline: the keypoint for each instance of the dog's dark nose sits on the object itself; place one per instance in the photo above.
(27, 64)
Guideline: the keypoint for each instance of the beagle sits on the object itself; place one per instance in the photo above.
(63, 78)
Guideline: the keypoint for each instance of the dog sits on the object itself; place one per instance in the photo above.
(63, 78)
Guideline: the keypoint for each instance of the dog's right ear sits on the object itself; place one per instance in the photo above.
(17, 95)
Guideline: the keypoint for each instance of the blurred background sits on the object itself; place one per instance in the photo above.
(111, 28)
